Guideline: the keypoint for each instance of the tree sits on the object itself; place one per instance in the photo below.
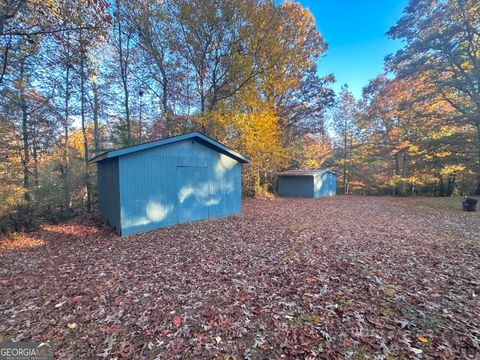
(302, 108)
(152, 21)
(79, 79)
(412, 138)
(442, 43)
(90, 19)
(344, 123)
(28, 20)
(22, 101)
(124, 39)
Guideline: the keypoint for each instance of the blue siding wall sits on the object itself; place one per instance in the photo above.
(109, 192)
(176, 183)
(301, 186)
(325, 184)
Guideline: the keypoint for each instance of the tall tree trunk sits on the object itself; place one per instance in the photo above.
(96, 108)
(450, 185)
(66, 160)
(345, 142)
(166, 110)
(441, 188)
(25, 149)
(5, 57)
(349, 167)
(124, 76)
(140, 104)
(404, 172)
(477, 190)
(84, 129)
(127, 112)
(397, 173)
(202, 94)
(35, 154)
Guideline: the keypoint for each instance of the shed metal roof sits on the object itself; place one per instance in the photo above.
(305, 172)
(151, 144)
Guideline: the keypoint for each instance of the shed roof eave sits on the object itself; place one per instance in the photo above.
(305, 172)
(295, 175)
(98, 157)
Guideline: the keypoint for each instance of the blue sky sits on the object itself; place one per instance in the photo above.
(355, 32)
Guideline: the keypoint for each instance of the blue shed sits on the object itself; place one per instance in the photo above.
(169, 181)
(307, 183)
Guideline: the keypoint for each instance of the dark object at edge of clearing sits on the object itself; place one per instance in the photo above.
(469, 204)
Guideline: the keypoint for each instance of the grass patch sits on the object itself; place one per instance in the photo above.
(392, 290)
(442, 203)
(312, 319)
(423, 319)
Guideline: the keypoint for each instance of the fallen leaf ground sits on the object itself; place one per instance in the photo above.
(343, 277)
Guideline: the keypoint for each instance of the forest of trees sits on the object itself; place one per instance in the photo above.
(78, 78)
(416, 129)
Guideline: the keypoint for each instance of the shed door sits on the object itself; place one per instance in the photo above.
(193, 191)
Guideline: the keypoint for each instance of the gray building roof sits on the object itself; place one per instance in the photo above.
(305, 172)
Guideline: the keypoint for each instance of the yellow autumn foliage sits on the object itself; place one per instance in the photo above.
(255, 134)
(452, 169)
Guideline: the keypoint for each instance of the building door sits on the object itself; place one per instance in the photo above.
(193, 191)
